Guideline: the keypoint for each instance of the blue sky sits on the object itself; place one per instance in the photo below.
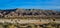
(43, 4)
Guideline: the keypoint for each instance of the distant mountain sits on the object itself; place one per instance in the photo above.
(57, 10)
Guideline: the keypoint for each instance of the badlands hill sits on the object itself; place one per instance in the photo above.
(27, 12)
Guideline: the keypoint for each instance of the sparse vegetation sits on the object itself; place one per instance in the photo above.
(27, 25)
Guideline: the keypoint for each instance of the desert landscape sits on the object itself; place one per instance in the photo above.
(29, 18)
